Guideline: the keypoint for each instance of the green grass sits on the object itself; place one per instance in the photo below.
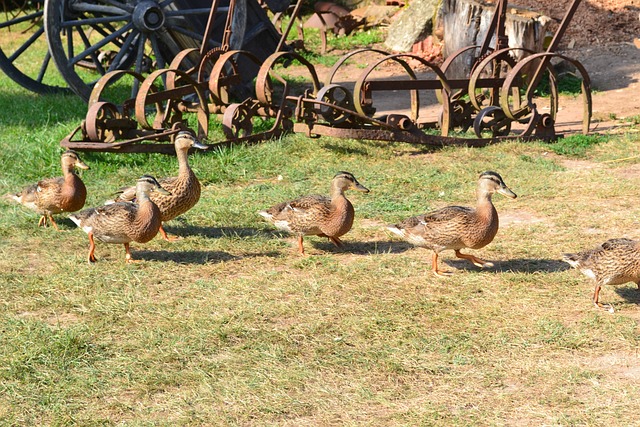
(230, 326)
(577, 145)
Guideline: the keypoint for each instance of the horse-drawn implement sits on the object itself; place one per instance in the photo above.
(183, 62)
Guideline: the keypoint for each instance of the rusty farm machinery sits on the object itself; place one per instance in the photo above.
(178, 64)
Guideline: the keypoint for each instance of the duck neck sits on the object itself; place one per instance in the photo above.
(142, 198)
(183, 162)
(68, 172)
(485, 208)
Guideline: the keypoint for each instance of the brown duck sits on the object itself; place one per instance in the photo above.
(184, 189)
(56, 195)
(123, 222)
(318, 215)
(457, 227)
(614, 262)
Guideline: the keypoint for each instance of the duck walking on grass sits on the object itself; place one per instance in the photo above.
(123, 222)
(56, 195)
(317, 215)
(183, 190)
(457, 227)
(614, 262)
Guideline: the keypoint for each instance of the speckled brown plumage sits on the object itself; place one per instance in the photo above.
(123, 222)
(318, 215)
(56, 195)
(457, 227)
(614, 262)
(184, 188)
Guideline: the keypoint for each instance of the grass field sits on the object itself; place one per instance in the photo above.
(230, 326)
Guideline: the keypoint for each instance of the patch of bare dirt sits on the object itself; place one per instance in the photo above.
(631, 172)
(518, 218)
(595, 23)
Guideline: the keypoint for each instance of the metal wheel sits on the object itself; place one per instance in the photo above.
(22, 43)
(236, 121)
(88, 38)
(492, 119)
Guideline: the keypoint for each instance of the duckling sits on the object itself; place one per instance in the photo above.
(56, 195)
(317, 215)
(614, 262)
(123, 222)
(457, 227)
(184, 189)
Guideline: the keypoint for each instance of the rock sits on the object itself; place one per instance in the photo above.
(414, 24)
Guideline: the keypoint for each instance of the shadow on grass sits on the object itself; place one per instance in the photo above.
(220, 232)
(631, 294)
(517, 265)
(196, 257)
(363, 248)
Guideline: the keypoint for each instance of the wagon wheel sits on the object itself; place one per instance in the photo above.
(82, 32)
(23, 42)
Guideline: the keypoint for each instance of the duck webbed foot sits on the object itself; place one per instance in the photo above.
(475, 260)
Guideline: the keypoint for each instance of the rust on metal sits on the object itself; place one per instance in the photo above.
(496, 94)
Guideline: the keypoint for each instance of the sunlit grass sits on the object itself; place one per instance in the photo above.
(230, 326)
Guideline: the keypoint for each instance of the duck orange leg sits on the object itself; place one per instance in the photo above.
(92, 249)
(435, 269)
(53, 223)
(300, 245)
(128, 258)
(166, 237)
(596, 295)
(336, 241)
(476, 261)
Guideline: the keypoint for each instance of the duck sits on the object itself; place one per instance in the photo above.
(318, 215)
(183, 190)
(458, 227)
(614, 262)
(123, 222)
(53, 196)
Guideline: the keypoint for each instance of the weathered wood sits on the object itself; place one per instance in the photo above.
(466, 22)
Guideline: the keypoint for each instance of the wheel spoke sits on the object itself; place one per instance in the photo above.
(156, 49)
(45, 65)
(26, 45)
(17, 21)
(124, 49)
(91, 50)
(139, 58)
(95, 8)
(94, 21)
(188, 33)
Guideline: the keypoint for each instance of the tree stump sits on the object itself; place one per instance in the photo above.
(466, 22)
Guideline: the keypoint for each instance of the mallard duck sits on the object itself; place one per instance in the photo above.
(123, 222)
(317, 215)
(184, 189)
(614, 262)
(457, 227)
(56, 195)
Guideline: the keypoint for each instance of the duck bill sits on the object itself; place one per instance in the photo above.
(505, 191)
(361, 187)
(199, 145)
(82, 165)
(163, 191)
